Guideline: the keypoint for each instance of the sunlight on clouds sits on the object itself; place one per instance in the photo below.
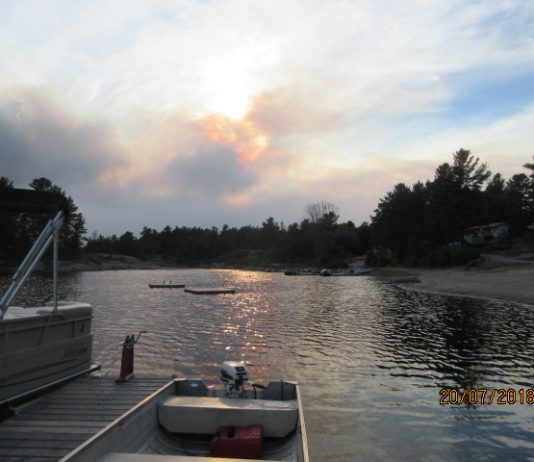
(242, 136)
(237, 200)
(173, 153)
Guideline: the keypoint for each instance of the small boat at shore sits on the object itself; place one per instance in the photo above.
(43, 346)
(188, 420)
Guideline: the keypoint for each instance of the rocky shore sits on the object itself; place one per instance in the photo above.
(95, 262)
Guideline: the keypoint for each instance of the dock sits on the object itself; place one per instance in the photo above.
(49, 427)
(211, 291)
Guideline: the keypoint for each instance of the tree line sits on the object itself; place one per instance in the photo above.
(411, 225)
(418, 221)
(18, 231)
(317, 240)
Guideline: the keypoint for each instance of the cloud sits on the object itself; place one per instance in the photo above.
(40, 138)
(214, 157)
(242, 111)
(295, 110)
(243, 136)
(212, 173)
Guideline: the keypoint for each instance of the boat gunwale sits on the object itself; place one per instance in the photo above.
(301, 424)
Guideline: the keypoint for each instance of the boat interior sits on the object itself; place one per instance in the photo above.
(178, 423)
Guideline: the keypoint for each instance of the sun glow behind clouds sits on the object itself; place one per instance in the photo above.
(230, 78)
(227, 86)
(241, 136)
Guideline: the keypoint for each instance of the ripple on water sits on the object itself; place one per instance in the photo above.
(370, 357)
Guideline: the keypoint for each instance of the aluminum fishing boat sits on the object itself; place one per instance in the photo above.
(187, 420)
(41, 346)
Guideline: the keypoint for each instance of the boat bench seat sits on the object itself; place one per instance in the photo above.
(203, 415)
(128, 457)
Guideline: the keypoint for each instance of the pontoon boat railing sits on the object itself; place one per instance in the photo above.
(48, 234)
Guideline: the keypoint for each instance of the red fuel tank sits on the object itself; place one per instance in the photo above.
(238, 442)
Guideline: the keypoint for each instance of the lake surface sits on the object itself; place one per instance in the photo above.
(370, 357)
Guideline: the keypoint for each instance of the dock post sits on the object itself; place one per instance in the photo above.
(127, 360)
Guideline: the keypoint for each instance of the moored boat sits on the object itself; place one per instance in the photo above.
(40, 346)
(188, 420)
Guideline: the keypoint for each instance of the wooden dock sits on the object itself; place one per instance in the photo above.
(49, 427)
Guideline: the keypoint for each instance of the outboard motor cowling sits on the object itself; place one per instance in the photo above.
(234, 375)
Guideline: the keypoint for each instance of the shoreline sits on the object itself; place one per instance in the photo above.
(113, 262)
(505, 283)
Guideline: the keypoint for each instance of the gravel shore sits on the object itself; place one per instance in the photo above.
(510, 281)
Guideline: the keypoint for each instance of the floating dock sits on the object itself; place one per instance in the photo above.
(166, 286)
(49, 427)
(207, 290)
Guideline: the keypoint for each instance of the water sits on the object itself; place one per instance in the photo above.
(370, 357)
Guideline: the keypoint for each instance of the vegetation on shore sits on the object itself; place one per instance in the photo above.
(418, 224)
(317, 240)
(412, 226)
(19, 230)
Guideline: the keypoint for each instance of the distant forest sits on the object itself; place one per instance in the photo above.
(411, 225)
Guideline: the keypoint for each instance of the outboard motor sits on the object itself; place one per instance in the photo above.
(234, 374)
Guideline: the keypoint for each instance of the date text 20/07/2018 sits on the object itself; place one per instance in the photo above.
(488, 396)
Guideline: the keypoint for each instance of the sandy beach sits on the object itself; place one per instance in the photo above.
(501, 279)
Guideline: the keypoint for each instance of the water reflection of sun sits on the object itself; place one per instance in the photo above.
(244, 336)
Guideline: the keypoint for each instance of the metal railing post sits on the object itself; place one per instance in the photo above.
(54, 268)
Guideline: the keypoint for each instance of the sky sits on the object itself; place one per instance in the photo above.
(204, 113)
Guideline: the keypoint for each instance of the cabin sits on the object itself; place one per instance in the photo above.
(483, 235)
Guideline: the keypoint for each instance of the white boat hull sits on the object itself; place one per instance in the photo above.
(39, 347)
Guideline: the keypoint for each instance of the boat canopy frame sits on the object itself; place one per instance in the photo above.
(24, 200)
